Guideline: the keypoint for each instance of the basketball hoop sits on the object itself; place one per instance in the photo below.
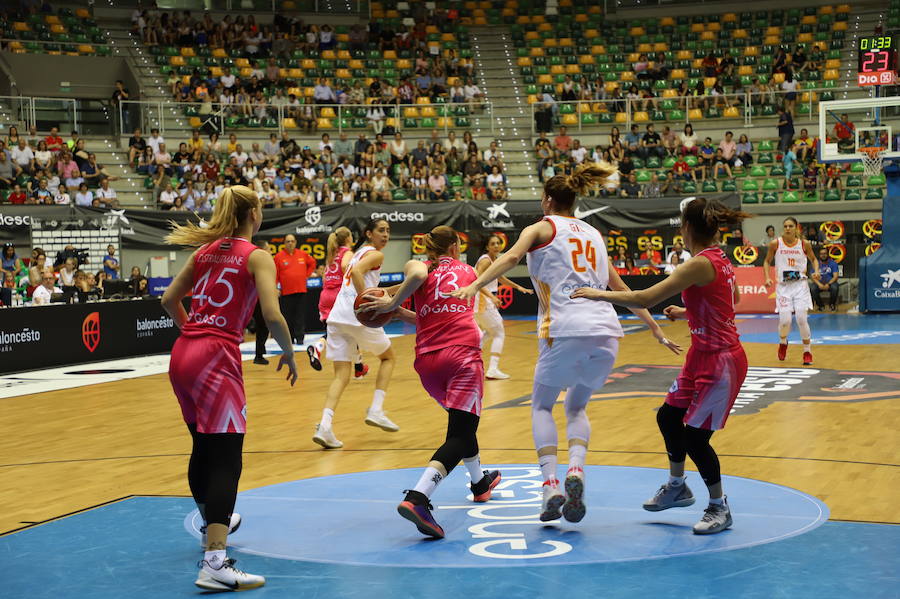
(872, 159)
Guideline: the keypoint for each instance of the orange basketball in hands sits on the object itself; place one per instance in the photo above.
(371, 319)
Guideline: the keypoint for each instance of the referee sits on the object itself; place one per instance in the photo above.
(294, 267)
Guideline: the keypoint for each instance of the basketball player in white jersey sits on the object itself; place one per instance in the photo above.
(486, 303)
(346, 333)
(578, 339)
(792, 256)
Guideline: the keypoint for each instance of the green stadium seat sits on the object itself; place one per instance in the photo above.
(750, 198)
(876, 180)
(874, 193)
(770, 198)
(765, 158)
(771, 185)
(790, 197)
(852, 194)
(832, 195)
(854, 181)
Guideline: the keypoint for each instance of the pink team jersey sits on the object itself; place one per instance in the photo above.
(710, 309)
(331, 283)
(441, 320)
(205, 365)
(224, 292)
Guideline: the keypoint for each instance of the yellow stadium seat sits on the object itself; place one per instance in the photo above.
(295, 91)
(566, 41)
(447, 37)
(808, 20)
(731, 112)
(826, 10)
(536, 52)
(411, 112)
(611, 86)
(670, 93)
(82, 13)
(708, 35)
(220, 53)
(187, 52)
(695, 114)
(808, 96)
(778, 78)
(390, 55)
(327, 112)
(16, 46)
(20, 26)
(295, 73)
(660, 47)
(309, 92)
(751, 51)
(586, 59)
(545, 79)
(745, 69)
(324, 123)
(451, 81)
(573, 69)
(772, 30)
(832, 74)
(569, 119)
(176, 61)
(307, 63)
(839, 26)
(684, 55)
(637, 31)
(598, 107)
(246, 72)
(709, 81)
(216, 72)
(423, 100)
(833, 63)
(557, 69)
(565, 2)
(640, 116)
(195, 122)
(843, 8)
(57, 28)
(342, 73)
(243, 62)
(544, 27)
(524, 61)
(621, 117)
(729, 18)
(633, 57)
(508, 12)
(591, 33)
(392, 14)
(667, 22)
(772, 40)
(595, 9)
(444, 122)
(532, 35)
(86, 49)
(433, 28)
(805, 38)
(358, 64)
(523, 20)
(598, 50)
(344, 55)
(343, 37)
(697, 27)
(697, 63)
(329, 55)
(532, 99)
(740, 34)
(551, 42)
(581, 18)
(678, 74)
(390, 122)
(428, 112)
(584, 107)
(628, 76)
(51, 20)
(539, 19)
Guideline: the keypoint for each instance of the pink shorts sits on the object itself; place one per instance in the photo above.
(206, 376)
(454, 376)
(707, 386)
(326, 302)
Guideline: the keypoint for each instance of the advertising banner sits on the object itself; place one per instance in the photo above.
(756, 298)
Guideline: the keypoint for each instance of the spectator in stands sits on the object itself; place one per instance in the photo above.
(631, 188)
(785, 130)
(651, 144)
(727, 65)
(562, 142)
(61, 197)
(163, 159)
(827, 281)
(805, 146)
(55, 143)
(84, 196)
(721, 163)
(790, 87)
(682, 171)
(107, 195)
(744, 150)
(729, 148)
(672, 263)
(769, 237)
(119, 95)
(474, 96)
(710, 65)
(833, 177)
(46, 289)
(437, 185)
(18, 195)
(780, 62)
(653, 189)
(845, 132)
(707, 158)
(43, 158)
(111, 266)
(815, 61)
(688, 141)
(811, 178)
(23, 156)
(8, 171)
(155, 140)
(41, 194)
(788, 162)
(168, 197)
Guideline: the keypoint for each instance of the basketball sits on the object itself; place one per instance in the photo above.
(371, 319)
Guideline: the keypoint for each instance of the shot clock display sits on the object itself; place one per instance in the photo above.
(877, 59)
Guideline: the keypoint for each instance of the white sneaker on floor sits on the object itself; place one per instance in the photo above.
(325, 437)
(495, 374)
(574, 509)
(232, 527)
(226, 578)
(380, 419)
(716, 518)
(553, 501)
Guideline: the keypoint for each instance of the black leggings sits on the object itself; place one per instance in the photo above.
(214, 471)
(460, 442)
(682, 440)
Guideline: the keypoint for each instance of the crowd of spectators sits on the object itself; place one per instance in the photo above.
(69, 276)
(36, 169)
(287, 172)
(436, 72)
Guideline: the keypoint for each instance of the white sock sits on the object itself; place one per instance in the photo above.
(548, 466)
(327, 415)
(473, 465)
(576, 456)
(807, 347)
(378, 401)
(320, 344)
(676, 480)
(717, 501)
(358, 358)
(215, 559)
(429, 481)
(495, 362)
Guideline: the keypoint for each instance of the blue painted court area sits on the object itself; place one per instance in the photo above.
(139, 547)
(828, 329)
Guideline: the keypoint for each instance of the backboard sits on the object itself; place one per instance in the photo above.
(869, 122)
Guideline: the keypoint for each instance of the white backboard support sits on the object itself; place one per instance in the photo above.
(871, 119)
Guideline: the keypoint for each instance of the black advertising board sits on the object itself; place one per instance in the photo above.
(62, 334)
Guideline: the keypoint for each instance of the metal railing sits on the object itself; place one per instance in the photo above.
(28, 110)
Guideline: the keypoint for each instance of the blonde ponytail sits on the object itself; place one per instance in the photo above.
(336, 240)
(563, 189)
(231, 211)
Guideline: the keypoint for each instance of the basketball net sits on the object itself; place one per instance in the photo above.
(873, 160)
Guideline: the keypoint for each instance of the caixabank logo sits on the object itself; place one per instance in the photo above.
(762, 387)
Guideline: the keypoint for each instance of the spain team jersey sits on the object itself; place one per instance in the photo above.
(790, 259)
(223, 293)
(342, 312)
(482, 304)
(574, 257)
(441, 320)
(710, 308)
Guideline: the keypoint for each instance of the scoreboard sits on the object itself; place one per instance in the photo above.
(877, 59)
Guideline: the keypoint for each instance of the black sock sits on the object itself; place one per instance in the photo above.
(416, 497)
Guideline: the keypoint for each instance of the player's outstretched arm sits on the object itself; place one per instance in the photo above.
(617, 284)
(414, 274)
(262, 267)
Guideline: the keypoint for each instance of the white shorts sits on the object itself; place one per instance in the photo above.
(343, 339)
(570, 361)
(490, 321)
(793, 296)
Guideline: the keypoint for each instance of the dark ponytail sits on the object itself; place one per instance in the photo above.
(563, 189)
(438, 242)
(704, 217)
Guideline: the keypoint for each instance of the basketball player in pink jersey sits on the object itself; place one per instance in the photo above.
(224, 277)
(338, 253)
(448, 360)
(578, 339)
(699, 401)
(792, 256)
